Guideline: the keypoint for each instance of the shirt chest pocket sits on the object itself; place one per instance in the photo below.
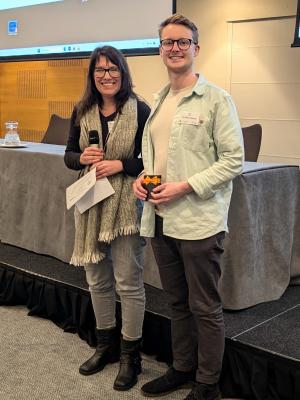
(195, 137)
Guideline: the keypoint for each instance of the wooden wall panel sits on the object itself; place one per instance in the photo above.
(31, 135)
(62, 108)
(32, 84)
(31, 91)
(66, 63)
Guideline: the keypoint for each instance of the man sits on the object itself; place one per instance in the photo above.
(193, 139)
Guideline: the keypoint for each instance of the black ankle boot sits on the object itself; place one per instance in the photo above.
(130, 364)
(107, 351)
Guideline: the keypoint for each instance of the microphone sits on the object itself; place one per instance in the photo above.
(93, 138)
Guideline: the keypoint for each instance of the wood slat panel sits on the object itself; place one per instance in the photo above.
(61, 108)
(32, 84)
(31, 135)
(31, 91)
(65, 63)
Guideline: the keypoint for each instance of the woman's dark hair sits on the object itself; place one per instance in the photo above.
(91, 95)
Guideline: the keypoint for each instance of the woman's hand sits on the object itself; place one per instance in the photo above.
(139, 191)
(91, 155)
(107, 168)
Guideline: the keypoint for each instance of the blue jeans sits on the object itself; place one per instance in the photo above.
(120, 271)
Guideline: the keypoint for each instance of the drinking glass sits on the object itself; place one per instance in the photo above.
(11, 136)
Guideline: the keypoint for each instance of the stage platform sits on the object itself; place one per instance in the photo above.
(262, 355)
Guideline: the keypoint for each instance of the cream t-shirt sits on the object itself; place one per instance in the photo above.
(160, 129)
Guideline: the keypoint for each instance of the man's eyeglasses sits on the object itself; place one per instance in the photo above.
(114, 72)
(182, 43)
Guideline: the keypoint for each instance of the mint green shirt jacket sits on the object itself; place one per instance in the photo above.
(206, 149)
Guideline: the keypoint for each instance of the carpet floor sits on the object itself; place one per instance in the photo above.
(39, 361)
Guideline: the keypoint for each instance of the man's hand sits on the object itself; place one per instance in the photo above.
(170, 191)
(91, 155)
(139, 191)
(107, 168)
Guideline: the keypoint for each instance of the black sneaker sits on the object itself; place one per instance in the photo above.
(171, 381)
(202, 391)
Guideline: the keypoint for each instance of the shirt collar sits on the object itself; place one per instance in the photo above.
(198, 88)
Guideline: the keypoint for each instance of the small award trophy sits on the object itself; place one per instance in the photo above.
(150, 182)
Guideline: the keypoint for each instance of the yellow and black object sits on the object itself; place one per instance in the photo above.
(150, 182)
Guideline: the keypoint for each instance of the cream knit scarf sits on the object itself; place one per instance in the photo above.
(115, 215)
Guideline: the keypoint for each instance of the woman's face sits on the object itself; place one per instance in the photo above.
(107, 77)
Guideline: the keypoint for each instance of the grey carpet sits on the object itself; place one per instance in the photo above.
(40, 361)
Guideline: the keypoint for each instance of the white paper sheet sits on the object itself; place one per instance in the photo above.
(97, 193)
(79, 188)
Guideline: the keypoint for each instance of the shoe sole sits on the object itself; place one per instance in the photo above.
(124, 388)
(219, 397)
(188, 385)
(99, 369)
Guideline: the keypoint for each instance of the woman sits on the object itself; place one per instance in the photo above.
(107, 241)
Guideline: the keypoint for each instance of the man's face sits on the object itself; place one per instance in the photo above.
(177, 60)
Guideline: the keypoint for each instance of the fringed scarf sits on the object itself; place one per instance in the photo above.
(117, 214)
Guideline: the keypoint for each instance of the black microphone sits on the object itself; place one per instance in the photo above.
(93, 138)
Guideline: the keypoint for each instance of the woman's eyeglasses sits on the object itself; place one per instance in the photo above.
(114, 72)
(182, 43)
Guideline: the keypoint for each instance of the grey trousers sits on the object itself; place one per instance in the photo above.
(189, 272)
(120, 271)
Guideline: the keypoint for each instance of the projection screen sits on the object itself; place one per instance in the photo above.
(73, 28)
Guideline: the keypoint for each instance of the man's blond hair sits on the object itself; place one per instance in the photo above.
(178, 19)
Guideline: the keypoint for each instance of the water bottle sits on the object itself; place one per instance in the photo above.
(11, 136)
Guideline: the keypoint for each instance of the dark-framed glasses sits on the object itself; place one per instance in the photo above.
(182, 43)
(114, 72)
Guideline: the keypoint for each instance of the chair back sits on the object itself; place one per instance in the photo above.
(252, 140)
(57, 131)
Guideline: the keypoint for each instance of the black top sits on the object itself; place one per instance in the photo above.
(131, 166)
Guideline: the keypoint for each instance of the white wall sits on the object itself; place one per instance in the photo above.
(148, 74)
(212, 17)
(265, 83)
